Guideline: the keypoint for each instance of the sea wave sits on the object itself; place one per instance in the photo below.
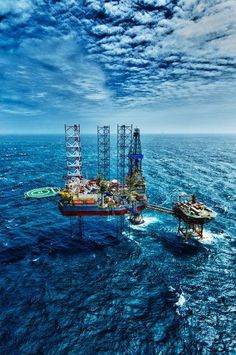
(112, 289)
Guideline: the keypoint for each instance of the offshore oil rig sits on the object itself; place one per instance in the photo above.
(103, 196)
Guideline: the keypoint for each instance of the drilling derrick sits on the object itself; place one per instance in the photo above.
(124, 139)
(103, 143)
(135, 180)
(135, 154)
(73, 151)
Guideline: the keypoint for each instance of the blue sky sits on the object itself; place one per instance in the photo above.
(168, 66)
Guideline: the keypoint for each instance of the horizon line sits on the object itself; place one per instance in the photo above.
(114, 133)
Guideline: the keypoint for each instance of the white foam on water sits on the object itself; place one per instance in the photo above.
(147, 222)
(210, 237)
(172, 289)
(131, 237)
(181, 300)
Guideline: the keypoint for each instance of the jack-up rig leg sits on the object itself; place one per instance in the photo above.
(192, 229)
(179, 227)
(136, 218)
(80, 222)
(120, 224)
(136, 181)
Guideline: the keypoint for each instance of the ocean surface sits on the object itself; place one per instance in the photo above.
(103, 291)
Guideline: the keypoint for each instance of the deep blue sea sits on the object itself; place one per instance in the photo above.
(143, 291)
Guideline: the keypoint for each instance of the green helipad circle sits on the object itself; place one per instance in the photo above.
(42, 192)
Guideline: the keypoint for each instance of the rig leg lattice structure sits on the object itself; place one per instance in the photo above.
(124, 140)
(80, 226)
(187, 229)
(103, 142)
(135, 154)
(73, 151)
(136, 181)
(120, 223)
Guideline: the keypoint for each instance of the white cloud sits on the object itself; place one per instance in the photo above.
(121, 9)
(129, 52)
(16, 7)
(143, 17)
(226, 45)
(107, 30)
